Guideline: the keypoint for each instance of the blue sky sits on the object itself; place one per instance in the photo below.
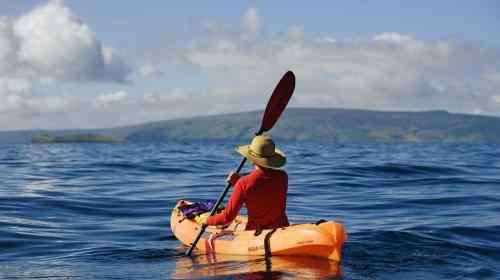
(468, 20)
(77, 64)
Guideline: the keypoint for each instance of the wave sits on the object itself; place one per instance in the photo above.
(376, 253)
(407, 169)
(118, 254)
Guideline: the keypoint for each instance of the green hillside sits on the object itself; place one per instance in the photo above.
(44, 138)
(331, 125)
(302, 124)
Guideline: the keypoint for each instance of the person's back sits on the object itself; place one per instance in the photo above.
(263, 191)
(266, 191)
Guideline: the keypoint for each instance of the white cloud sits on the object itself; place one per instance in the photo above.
(47, 104)
(393, 37)
(45, 48)
(109, 99)
(53, 42)
(113, 97)
(149, 70)
(251, 22)
(18, 99)
(181, 102)
(15, 85)
(12, 91)
(8, 48)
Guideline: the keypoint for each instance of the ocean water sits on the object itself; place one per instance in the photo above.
(101, 211)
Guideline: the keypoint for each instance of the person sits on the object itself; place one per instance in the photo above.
(263, 191)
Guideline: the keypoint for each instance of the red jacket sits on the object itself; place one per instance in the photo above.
(263, 192)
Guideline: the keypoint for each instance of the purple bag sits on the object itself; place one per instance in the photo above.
(197, 208)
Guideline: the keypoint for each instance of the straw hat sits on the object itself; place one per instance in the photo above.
(263, 152)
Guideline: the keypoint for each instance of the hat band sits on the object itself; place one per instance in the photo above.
(251, 152)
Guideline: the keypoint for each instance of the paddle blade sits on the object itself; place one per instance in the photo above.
(278, 101)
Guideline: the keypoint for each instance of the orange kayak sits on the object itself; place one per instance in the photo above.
(323, 239)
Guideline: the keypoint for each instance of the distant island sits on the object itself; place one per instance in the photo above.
(72, 138)
(339, 125)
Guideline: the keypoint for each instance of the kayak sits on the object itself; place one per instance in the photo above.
(322, 239)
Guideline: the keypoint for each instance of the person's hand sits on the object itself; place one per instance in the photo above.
(233, 177)
(202, 219)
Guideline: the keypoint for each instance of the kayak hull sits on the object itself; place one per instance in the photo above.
(324, 240)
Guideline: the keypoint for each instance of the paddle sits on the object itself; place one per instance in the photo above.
(275, 106)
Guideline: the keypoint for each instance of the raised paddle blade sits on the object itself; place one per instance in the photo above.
(278, 101)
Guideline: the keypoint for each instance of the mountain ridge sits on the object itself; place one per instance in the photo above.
(300, 123)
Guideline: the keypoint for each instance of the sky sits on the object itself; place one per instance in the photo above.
(94, 64)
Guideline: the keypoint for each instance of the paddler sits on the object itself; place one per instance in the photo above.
(263, 191)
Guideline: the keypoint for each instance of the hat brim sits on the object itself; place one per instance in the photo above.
(276, 161)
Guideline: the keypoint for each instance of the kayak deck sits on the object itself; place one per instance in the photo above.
(323, 239)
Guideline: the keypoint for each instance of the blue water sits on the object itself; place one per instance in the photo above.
(101, 211)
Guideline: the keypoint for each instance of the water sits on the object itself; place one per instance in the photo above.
(101, 211)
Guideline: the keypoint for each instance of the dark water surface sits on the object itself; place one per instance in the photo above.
(101, 211)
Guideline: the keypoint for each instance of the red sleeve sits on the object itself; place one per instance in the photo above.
(232, 208)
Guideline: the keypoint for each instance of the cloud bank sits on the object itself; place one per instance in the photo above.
(235, 70)
(49, 45)
(51, 42)
(389, 71)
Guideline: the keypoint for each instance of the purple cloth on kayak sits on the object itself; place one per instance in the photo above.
(197, 208)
